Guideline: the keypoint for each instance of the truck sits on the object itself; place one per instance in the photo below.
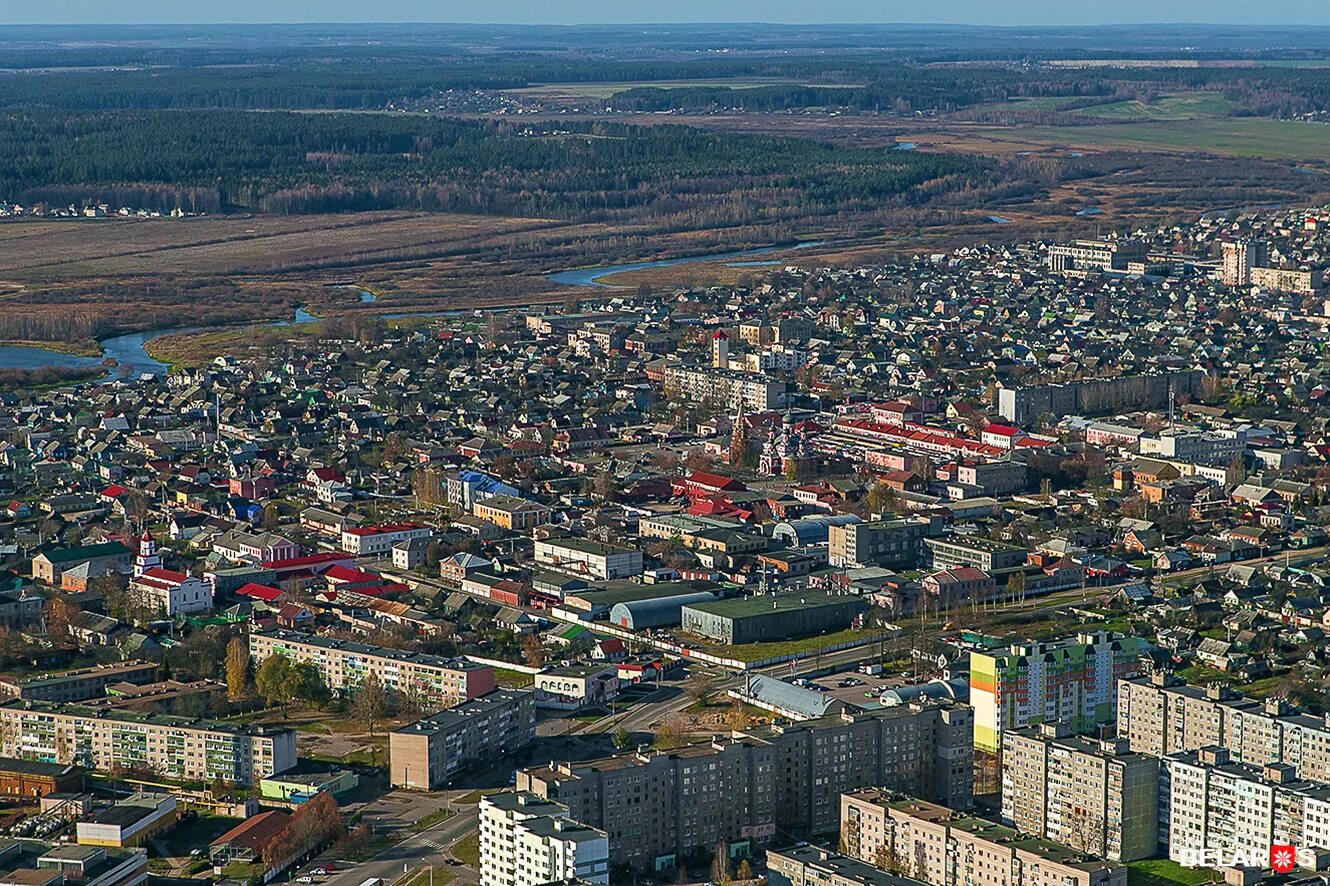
(373, 881)
(871, 670)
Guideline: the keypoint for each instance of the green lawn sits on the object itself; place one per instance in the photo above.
(467, 850)
(1188, 106)
(1163, 872)
(475, 796)
(512, 679)
(431, 820)
(806, 646)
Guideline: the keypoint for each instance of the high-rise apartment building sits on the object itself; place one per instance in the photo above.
(527, 841)
(1208, 802)
(1095, 796)
(1162, 715)
(1072, 680)
(1240, 257)
(942, 847)
(656, 807)
(426, 754)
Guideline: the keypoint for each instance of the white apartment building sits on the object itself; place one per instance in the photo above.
(726, 387)
(527, 841)
(1208, 802)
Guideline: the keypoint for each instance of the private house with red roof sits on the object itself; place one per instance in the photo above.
(169, 592)
(348, 578)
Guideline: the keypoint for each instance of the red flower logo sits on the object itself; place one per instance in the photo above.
(1283, 857)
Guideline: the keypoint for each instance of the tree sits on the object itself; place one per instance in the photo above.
(720, 866)
(310, 685)
(882, 499)
(237, 670)
(700, 687)
(623, 739)
(270, 519)
(738, 718)
(533, 651)
(1016, 586)
(670, 734)
(277, 681)
(59, 614)
(370, 702)
(744, 871)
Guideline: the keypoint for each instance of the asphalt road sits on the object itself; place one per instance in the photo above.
(429, 847)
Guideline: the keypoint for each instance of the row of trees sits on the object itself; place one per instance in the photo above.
(262, 161)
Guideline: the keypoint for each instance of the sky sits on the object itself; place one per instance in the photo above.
(984, 12)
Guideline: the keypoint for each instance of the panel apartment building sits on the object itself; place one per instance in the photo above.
(426, 754)
(1098, 396)
(726, 388)
(176, 747)
(941, 847)
(345, 665)
(527, 841)
(1072, 680)
(1162, 715)
(1093, 796)
(1206, 801)
(656, 807)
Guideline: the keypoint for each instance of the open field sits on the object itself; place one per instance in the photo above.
(1239, 136)
(1177, 106)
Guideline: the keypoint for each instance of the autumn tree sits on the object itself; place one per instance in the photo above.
(721, 874)
(623, 739)
(369, 704)
(700, 687)
(59, 615)
(533, 651)
(237, 670)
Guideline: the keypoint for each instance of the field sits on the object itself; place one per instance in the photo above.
(1177, 106)
(1239, 137)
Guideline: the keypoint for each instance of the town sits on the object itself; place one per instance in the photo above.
(1004, 566)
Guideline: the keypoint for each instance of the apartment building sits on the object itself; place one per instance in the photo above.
(118, 741)
(981, 553)
(345, 664)
(78, 685)
(1093, 796)
(894, 544)
(528, 841)
(725, 387)
(1206, 801)
(941, 847)
(740, 792)
(814, 866)
(994, 477)
(1072, 680)
(1292, 280)
(1162, 715)
(426, 754)
(1240, 257)
(590, 559)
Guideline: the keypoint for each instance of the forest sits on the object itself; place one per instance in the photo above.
(287, 163)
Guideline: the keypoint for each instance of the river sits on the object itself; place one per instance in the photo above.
(132, 359)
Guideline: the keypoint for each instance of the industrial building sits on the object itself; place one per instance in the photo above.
(772, 616)
(31, 778)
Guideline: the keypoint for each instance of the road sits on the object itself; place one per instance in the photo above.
(429, 847)
(1292, 558)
